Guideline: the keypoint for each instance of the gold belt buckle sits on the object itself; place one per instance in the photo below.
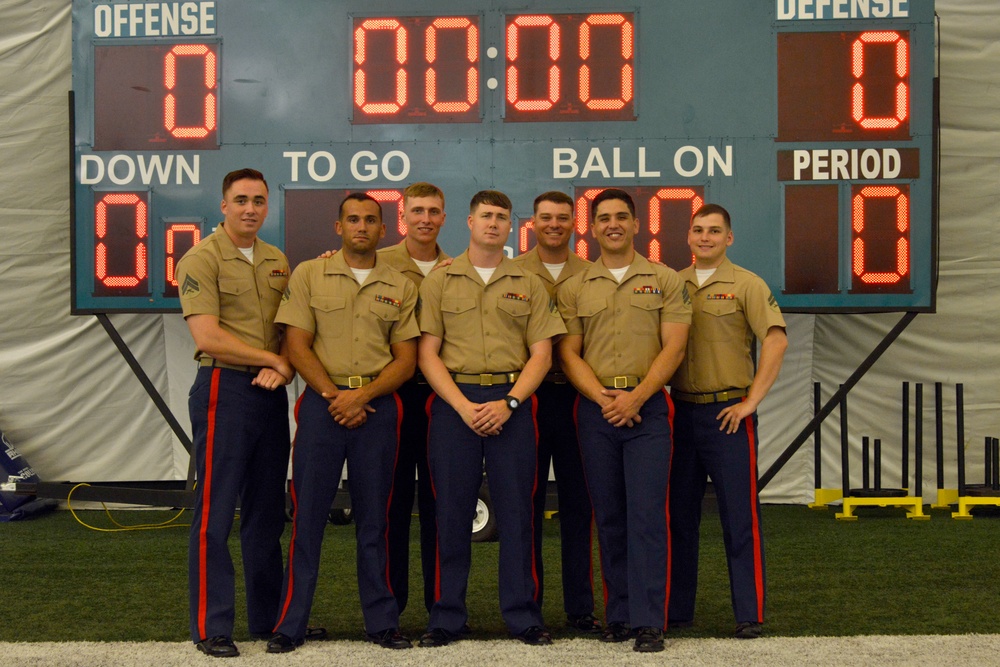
(722, 396)
(621, 382)
(486, 379)
(354, 382)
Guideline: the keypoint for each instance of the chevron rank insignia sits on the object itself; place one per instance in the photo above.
(190, 288)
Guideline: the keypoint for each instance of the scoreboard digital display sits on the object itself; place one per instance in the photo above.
(812, 121)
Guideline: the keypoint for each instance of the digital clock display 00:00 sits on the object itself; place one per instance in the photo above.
(427, 69)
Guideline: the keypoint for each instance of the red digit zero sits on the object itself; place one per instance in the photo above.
(121, 256)
(208, 105)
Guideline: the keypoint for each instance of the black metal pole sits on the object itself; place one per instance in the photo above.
(939, 431)
(817, 446)
(855, 377)
(845, 463)
(906, 435)
(996, 464)
(987, 461)
(878, 463)
(144, 380)
(960, 435)
(865, 463)
(918, 441)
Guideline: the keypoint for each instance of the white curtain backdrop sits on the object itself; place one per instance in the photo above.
(71, 406)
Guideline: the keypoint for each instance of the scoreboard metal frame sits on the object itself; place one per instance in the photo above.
(812, 121)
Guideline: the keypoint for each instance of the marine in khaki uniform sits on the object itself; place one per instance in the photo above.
(352, 336)
(717, 391)
(414, 256)
(627, 321)
(487, 326)
(552, 261)
(230, 287)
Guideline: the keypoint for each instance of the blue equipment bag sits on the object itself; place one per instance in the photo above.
(15, 469)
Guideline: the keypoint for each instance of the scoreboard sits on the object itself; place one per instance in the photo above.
(812, 121)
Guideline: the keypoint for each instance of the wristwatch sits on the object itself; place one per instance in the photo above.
(512, 402)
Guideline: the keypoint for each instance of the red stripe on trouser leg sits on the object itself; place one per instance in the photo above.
(670, 462)
(295, 524)
(206, 506)
(290, 586)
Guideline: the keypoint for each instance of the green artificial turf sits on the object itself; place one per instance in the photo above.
(883, 574)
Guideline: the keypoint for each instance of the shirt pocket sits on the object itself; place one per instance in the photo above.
(330, 313)
(459, 317)
(234, 293)
(278, 283)
(722, 320)
(385, 316)
(591, 311)
(514, 308)
(644, 314)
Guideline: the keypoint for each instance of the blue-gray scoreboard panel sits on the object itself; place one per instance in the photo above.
(812, 121)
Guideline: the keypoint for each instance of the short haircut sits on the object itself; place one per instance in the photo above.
(612, 193)
(490, 198)
(359, 196)
(554, 196)
(710, 209)
(239, 175)
(423, 189)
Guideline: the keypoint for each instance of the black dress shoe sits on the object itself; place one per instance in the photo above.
(534, 636)
(390, 638)
(218, 647)
(749, 630)
(315, 634)
(586, 624)
(616, 632)
(281, 643)
(437, 637)
(648, 640)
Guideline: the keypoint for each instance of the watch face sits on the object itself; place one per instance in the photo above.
(512, 403)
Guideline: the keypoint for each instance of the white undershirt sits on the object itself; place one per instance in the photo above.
(619, 273)
(555, 270)
(703, 275)
(425, 267)
(361, 275)
(485, 274)
(248, 253)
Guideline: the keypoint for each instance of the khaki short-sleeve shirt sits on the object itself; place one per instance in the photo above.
(620, 322)
(729, 310)
(215, 278)
(486, 328)
(533, 263)
(398, 257)
(353, 325)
